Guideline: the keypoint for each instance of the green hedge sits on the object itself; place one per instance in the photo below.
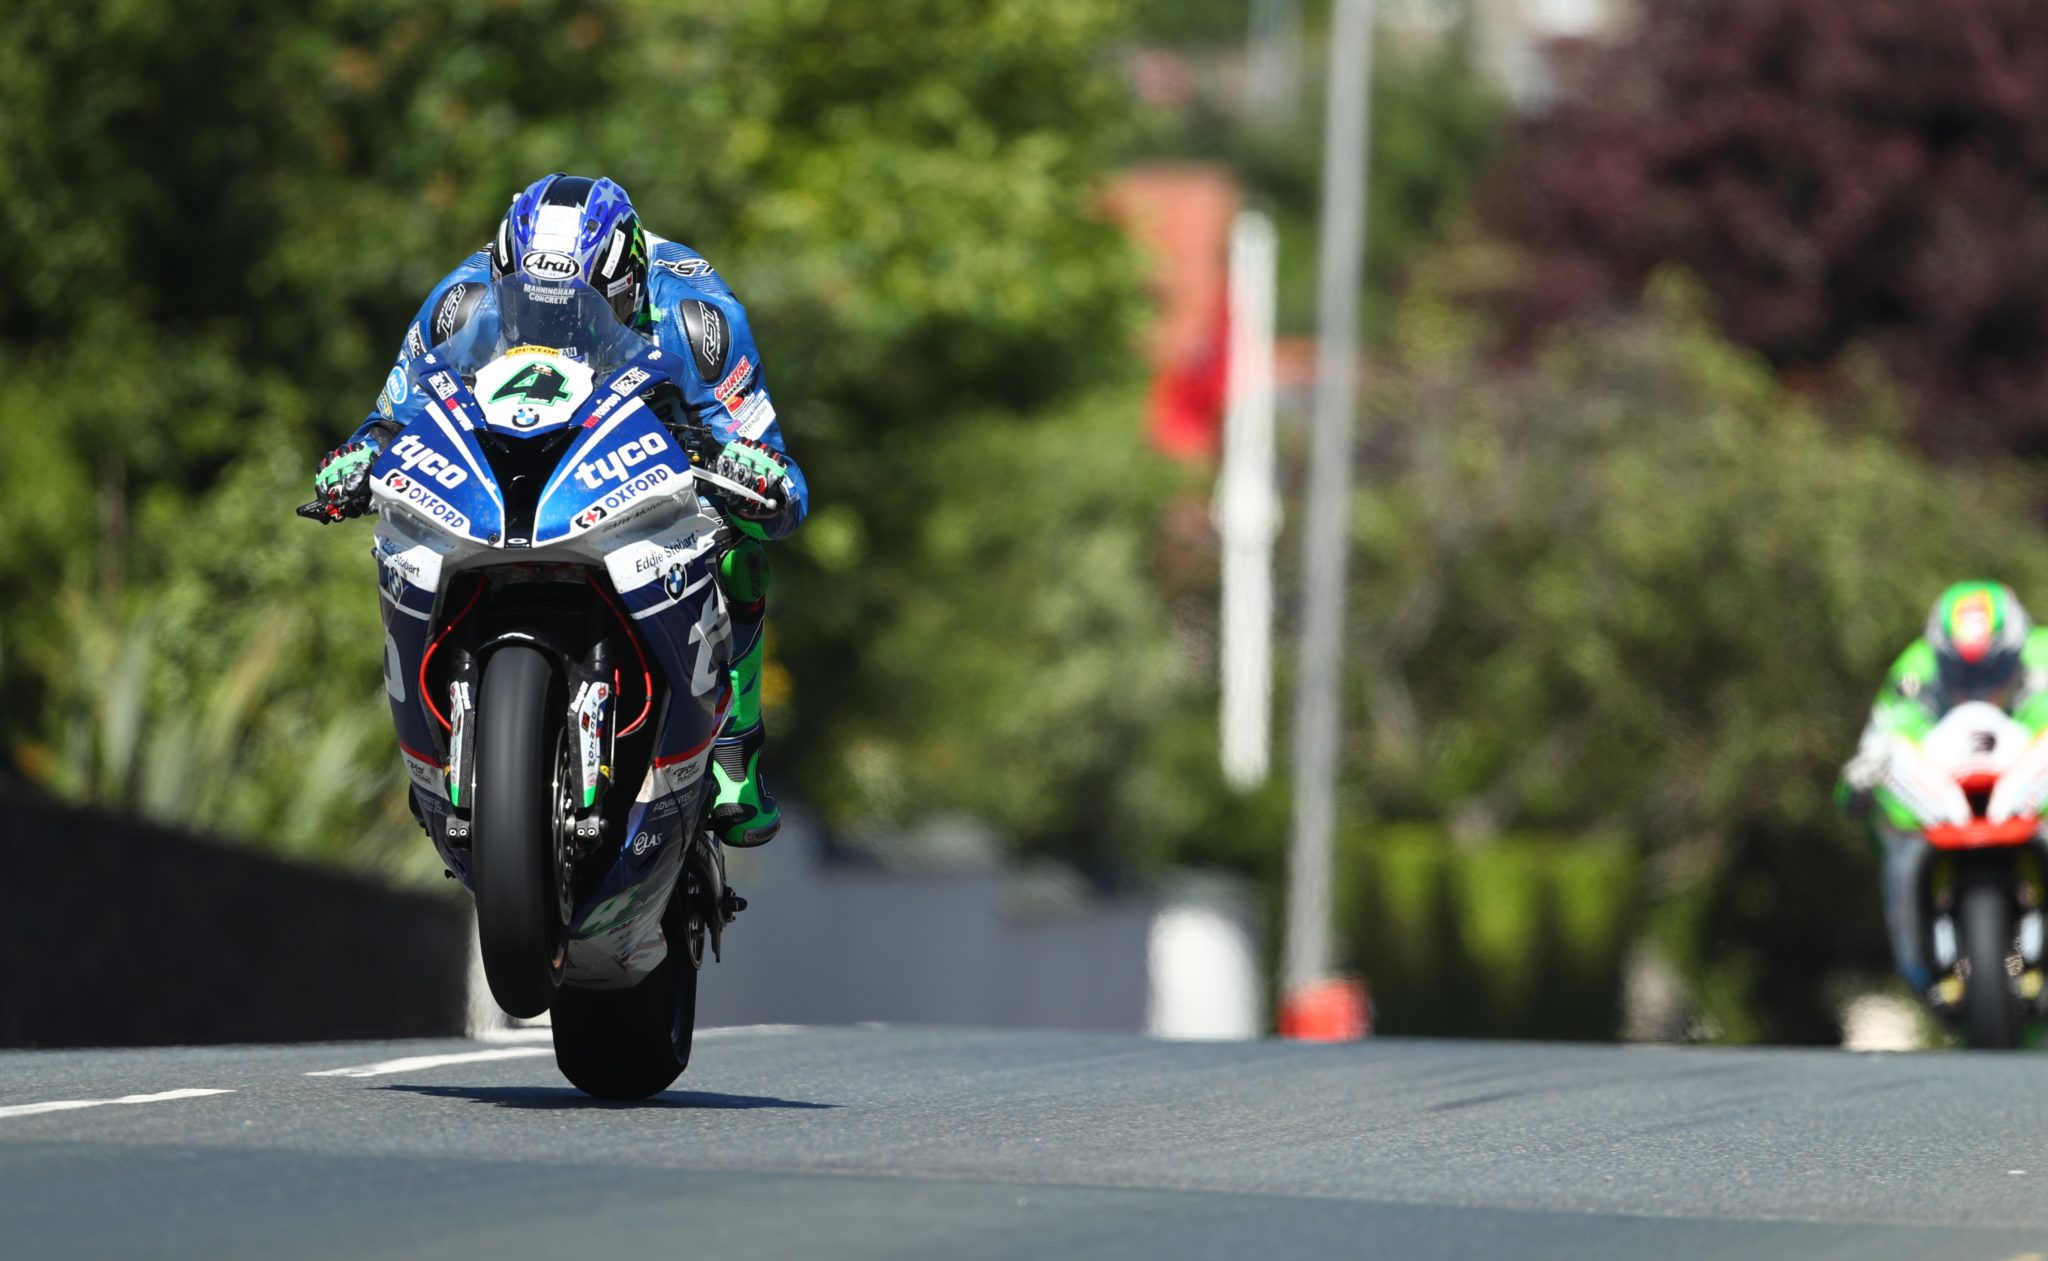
(1523, 936)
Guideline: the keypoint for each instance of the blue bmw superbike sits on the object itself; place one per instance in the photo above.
(555, 653)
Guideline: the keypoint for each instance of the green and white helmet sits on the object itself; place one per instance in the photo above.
(1978, 631)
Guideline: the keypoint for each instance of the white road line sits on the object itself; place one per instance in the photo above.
(67, 1105)
(728, 1031)
(412, 1062)
(542, 1033)
(517, 1033)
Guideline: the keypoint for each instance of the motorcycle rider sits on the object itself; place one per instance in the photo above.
(1979, 645)
(572, 226)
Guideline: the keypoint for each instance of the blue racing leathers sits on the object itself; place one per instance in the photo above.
(694, 317)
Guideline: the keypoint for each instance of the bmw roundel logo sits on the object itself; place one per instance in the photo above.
(672, 582)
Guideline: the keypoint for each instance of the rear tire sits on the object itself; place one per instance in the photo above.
(1989, 1018)
(629, 1044)
(519, 917)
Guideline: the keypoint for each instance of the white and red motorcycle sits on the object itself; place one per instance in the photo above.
(1962, 809)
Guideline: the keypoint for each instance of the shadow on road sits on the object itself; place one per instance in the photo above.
(564, 1097)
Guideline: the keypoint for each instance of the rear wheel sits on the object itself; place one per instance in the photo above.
(1985, 910)
(518, 852)
(629, 1044)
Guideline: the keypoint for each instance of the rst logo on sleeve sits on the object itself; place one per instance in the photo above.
(704, 327)
(445, 314)
(688, 268)
(615, 467)
(420, 458)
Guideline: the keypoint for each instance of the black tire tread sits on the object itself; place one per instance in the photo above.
(1986, 912)
(512, 863)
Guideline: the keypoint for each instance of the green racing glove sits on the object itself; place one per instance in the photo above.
(341, 485)
(761, 469)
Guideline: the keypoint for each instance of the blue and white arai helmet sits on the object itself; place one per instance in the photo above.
(568, 253)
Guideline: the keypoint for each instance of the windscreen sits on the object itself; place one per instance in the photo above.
(570, 317)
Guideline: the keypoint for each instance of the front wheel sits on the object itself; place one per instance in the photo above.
(1985, 912)
(522, 904)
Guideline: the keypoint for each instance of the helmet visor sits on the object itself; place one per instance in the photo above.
(1993, 677)
(568, 316)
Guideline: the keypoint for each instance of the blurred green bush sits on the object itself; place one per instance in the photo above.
(1525, 936)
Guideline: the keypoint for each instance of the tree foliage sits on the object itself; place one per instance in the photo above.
(1837, 172)
(1027, 672)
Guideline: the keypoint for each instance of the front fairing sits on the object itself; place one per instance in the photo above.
(514, 474)
(624, 462)
(436, 471)
(1976, 777)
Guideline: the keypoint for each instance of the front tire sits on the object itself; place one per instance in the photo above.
(1987, 929)
(520, 916)
(632, 1043)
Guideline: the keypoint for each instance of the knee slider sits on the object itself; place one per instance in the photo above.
(743, 574)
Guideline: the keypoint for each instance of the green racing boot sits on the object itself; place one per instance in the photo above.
(744, 813)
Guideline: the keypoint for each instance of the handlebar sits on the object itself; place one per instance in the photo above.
(316, 510)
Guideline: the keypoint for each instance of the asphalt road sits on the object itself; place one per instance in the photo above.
(836, 1143)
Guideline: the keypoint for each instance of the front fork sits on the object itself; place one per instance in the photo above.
(2030, 893)
(592, 693)
(461, 768)
(592, 686)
